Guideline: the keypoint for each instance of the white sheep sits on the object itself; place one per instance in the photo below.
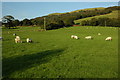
(99, 34)
(74, 37)
(14, 34)
(1, 38)
(88, 37)
(17, 39)
(29, 40)
(108, 39)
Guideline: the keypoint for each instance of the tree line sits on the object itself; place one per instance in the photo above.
(111, 22)
(57, 21)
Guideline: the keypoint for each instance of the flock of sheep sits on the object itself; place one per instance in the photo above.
(90, 37)
(18, 40)
(28, 40)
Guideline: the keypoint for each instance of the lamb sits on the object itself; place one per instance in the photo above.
(74, 37)
(29, 40)
(108, 39)
(17, 39)
(14, 34)
(99, 34)
(88, 37)
(1, 38)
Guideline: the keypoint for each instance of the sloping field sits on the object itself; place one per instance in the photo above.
(87, 9)
(53, 54)
(113, 14)
(99, 8)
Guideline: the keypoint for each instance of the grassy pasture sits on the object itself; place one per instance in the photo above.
(53, 54)
(113, 14)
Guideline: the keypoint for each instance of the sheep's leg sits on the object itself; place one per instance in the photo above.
(16, 41)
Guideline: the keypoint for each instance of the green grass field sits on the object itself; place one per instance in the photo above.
(113, 14)
(53, 54)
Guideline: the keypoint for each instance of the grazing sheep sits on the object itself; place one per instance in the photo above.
(99, 34)
(108, 39)
(29, 40)
(17, 39)
(88, 37)
(14, 34)
(74, 37)
(1, 38)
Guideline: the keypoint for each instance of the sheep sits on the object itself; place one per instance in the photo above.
(1, 38)
(14, 34)
(17, 39)
(108, 39)
(88, 37)
(99, 34)
(74, 37)
(29, 40)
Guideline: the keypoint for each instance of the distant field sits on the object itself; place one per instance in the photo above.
(114, 14)
(53, 54)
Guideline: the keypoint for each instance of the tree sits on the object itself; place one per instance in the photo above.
(84, 23)
(34, 22)
(26, 22)
(7, 21)
(93, 22)
(15, 22)
(68, 21)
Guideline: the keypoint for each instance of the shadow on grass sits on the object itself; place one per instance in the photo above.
(13, 64)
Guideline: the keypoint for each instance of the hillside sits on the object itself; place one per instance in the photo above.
(60, 20)
(88, 9)
(113, 14)
(56, 14)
